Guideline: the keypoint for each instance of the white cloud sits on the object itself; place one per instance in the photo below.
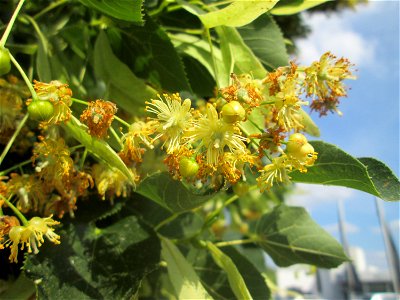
(312, 196)
(332, 33)
(348, 227)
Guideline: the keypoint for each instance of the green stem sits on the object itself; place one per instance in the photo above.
(11, 23)
(16, 211)
(116, 137)
(14, 136)
(25, 78)
(38, 31)
(80, 101)
(82, 160)
(235, 242)
(166, 221)
(2, 173)
(49, 8)
(1, 211)
(123, 122)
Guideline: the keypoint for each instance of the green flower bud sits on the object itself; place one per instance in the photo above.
(233, 112)
(296, 141)
(41, 110)
(188, 167)
(5, 61)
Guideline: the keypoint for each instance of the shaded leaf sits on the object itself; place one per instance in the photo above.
(254, 280)
(336, 167)
(94, 263)
(153, 57)
(383, 178)
(293, 7)
(236, 14)
(127, 10)
(265, 39)
(97, 147)
(235, 279)
(170, 193)
(124, 88)
(186, 283)
(290, 236)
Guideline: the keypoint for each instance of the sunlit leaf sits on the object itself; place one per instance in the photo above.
(238, 13)
(293, 7)
(336, 167)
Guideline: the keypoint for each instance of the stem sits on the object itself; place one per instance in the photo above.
(123, 122)
(80, 101)
(14, 136)
(16, 211)
(83, 158)
(25, 78)
(235, 242)
(11, 23)
(38, 31)
(166, 221)
(116, 137)
(50, 7)
(15, 167)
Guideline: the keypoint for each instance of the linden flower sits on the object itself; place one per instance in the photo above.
(98, 117)
(139, 134)
(10, 110)
(276, 171)
(29, 190)
(59, 95)
(111, 181)
(173, 117)
(288, 105)
(31, 236)
(324, 80)
(6, 223)
(214, 134)
(232, 165)
(56, 165)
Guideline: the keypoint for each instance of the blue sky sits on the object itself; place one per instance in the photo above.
(369, 127)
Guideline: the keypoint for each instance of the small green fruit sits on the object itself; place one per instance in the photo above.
(41, 110)
(5, 61)
(188, 167)
(241, 188)
(233, 112)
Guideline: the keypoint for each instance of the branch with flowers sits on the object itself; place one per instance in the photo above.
(163, 149)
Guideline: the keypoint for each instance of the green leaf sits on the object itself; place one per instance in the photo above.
(170, 193)
(124, 88)
(241, 57)
(153, 57)
(290, 236)
(186, 283)
(20, 289)
(127, 10)
(293, 7)
(254, 123)
(383, 178)
(97, 147)
(236, 280)
(254, 281)
(199, 49)
(238, 13)
(264, 37)
(95, 263)
(309, 126)
(336, 167)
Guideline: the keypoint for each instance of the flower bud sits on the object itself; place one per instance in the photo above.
(233, 112)
(188, 167)
(5, 61)
(296, 141)
(41, 110)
